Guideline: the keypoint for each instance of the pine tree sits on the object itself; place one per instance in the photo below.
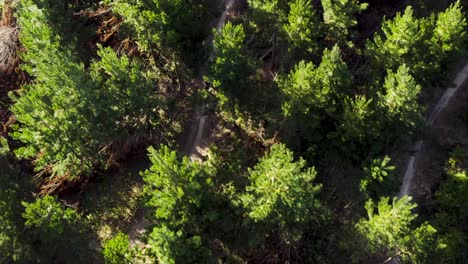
(340, 16)
(231, 67)
(309, 88)
(68, 116)
(357, 124)
(12, 246)
(178, 194)
(58, 232)
(118, 251)
(420, 43)
(174, 247)
(378, 178)
(449, 33)
(400, 99)
(451, 207)
(47, 109)
(303, 27)
(161, 26)
(276, 7)
(391, 230)
(282, 193)
(403, 41)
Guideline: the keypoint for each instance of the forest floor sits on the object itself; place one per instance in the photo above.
(115, 199)
(447, 138)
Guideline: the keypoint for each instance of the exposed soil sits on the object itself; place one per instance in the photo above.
(449, 132)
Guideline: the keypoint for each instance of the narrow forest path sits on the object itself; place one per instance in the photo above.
(196, 146)
(198, 132)
(419, 152)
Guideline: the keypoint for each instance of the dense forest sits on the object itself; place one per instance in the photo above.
(233, 131)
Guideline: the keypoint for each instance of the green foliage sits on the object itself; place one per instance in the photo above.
(282, 194)
(67, 116)
(178, 247)
(449, 33)
(376, 176)
(124, 106)
(179, 194)
(404, 41)
(390, 230)
(314, 90)
(47, 109)
(163, 25)
(231, 67)
(451, 195)
(303, 27)
(400, 99)
(117, 250)
(357, 124)
(275, 7)
(58, 232)
(339, 16)
(451, 207)
(4, 148)
(266, 19)
(420, 43)
(11, 245)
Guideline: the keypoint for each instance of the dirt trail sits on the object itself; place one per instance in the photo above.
(196, 145)
(418, 148)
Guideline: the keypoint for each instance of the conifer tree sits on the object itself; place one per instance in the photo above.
(340, 16)
(400, 99)
(117, 250)
(451, 208)
(231, 67)
(357, 125)
(403, 41)
(390, 230)
(449, 33)
(178, 194)
(282, 194)
(420, 43)
(309, 88)
(303, 27)
(276, 7)
(162, 26)
(58, 232)
(12, 246)
(378, 176)
(68, 116)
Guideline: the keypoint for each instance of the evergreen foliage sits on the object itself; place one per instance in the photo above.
(420, 43)
(357, 122)
(283, 85)
(12, 247)
(170, 246)
(390, 230)
(450, 30)
(451, 207)
(400, 99)
(231, 67)
(275, 7)
(314, 90)
(50, 226)
(68, 115)
(303, 27)
(377, 176)
(117, 250)
(282, 194)
(404, 41)
(340, 16)
(162, 26)
(179, 194)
